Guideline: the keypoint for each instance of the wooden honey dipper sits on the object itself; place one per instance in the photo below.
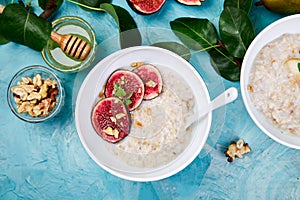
(72, 45)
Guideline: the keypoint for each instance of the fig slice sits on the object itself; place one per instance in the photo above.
(111, 120)
(146, 6)
(191, 2)
(152, 80)
(127, 86)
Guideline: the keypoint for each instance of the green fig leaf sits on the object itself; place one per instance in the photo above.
(3, 40)
(93, 3)
(29, 29)
(224, 64)
(236, 31)
(241, 4)
(197, 34)
(175, 47)
(119, 92)
(129, 33)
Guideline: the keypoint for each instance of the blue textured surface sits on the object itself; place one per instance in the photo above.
(47, 160)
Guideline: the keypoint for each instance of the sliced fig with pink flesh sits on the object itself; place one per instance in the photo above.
(111, 120)
(146, 6)
(127, 86)
(191, 2)
(152, 80)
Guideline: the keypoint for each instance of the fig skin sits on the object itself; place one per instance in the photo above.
(146, 7)
(152, 79)
(111, 113)
(132, 84)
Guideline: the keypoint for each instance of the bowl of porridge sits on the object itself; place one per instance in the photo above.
(149, 141)
(270, 81)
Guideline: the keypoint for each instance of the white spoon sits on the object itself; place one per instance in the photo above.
(224, 98)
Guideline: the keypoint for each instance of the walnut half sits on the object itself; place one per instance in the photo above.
(236, 150)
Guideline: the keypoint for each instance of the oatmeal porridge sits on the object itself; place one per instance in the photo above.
(156, 136)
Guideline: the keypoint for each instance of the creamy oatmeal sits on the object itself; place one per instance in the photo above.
(156, 136)
(274, 83)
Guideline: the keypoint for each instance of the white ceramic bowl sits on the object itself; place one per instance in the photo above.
(288, 24)
(88, 96)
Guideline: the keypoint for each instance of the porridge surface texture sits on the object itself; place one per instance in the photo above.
(157, 136)
(273, 87)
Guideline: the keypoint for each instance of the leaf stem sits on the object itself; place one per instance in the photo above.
(201, 50)
(85, 6)
(208, 48)
(225, 56)
(25, 27)
(221, 44)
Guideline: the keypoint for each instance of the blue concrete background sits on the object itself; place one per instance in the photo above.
(48, 161)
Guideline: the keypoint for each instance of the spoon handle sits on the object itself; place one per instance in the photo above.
(224, 98)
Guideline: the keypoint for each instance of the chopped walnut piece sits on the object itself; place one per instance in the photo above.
(110, 131)
(28, 88)
(101, 95)
(19, 92)
(34, 96)
(236, 150)
(26, 80)
(50, 82)
(138, 124)
(37, 80)
(44, 90)
(137, 64)
(24, 107)
(250, 88)
(120, 115)
(113, 119)
(151, 83)
(52, 94)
